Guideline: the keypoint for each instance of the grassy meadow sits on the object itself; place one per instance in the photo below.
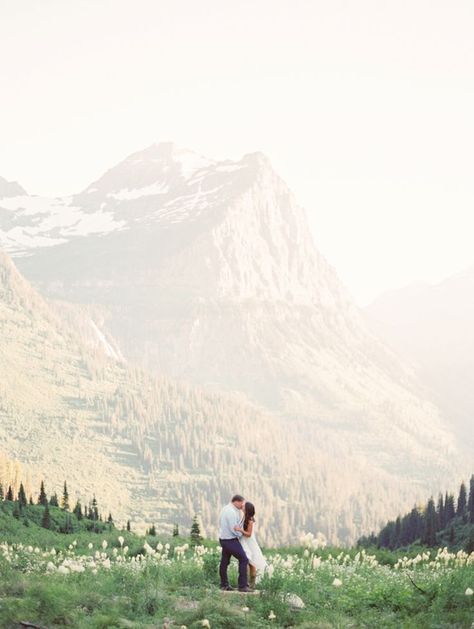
(118, 579)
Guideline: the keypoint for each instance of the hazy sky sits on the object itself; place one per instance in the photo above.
(365, 107)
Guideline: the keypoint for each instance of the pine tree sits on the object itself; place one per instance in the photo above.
(9, 494)
(53, 501)
(94, 509)
(452, 536)
(46, 520)
(22, 496)
(17, 511)
(65, 498)
(470, 504)
(175, 530)
(129, 526)
(67, 526)
(42, 498)
(469, 546)
(440, 513)
(195, 534)
(449, 511)
(31, 501)
(2, 496)
(429, 531)
(396, 532)
(411, 527)
(462, 501)
(152, 531)
(386, 535)
(78, 511)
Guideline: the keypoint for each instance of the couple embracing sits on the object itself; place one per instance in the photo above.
(237, 539)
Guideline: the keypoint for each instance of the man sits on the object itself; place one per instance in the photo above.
(231, 517)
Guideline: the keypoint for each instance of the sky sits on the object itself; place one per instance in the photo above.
(365, 108)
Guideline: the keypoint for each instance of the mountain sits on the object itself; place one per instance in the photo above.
(431, 326)
(205, 272)
(152, 450)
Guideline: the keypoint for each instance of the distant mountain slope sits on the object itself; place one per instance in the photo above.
(432, 325)
(159, 451)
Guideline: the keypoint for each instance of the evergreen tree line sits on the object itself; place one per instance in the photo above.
(426, 523)
(94, 520)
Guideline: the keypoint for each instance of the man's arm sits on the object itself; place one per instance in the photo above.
(233, 520)
(248, 532)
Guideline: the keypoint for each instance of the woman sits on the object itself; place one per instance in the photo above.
(250, 545)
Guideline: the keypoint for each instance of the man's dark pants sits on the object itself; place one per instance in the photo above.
(233, 548)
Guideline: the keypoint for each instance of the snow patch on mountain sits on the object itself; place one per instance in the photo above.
(28, 222)
(127, 194)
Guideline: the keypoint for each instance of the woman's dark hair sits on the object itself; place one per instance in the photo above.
(248, 514)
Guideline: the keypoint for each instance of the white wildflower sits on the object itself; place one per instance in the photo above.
(271, 615)
(469, 592)
(104, 544)
(337, 583)
(121, 540)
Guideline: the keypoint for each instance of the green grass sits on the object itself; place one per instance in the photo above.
(182, 586)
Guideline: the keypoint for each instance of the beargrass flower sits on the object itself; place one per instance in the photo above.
(271, 615)
(337, 583)
(469, 592)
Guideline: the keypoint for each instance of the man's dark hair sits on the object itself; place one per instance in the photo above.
(237, 498)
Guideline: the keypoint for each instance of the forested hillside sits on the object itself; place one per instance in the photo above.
(449, 521)
(157, 451)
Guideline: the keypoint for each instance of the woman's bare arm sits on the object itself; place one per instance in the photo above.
(248, 532)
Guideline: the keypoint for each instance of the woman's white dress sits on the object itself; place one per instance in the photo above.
(253, 552)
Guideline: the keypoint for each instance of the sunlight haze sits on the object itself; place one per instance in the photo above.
(364, 108)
